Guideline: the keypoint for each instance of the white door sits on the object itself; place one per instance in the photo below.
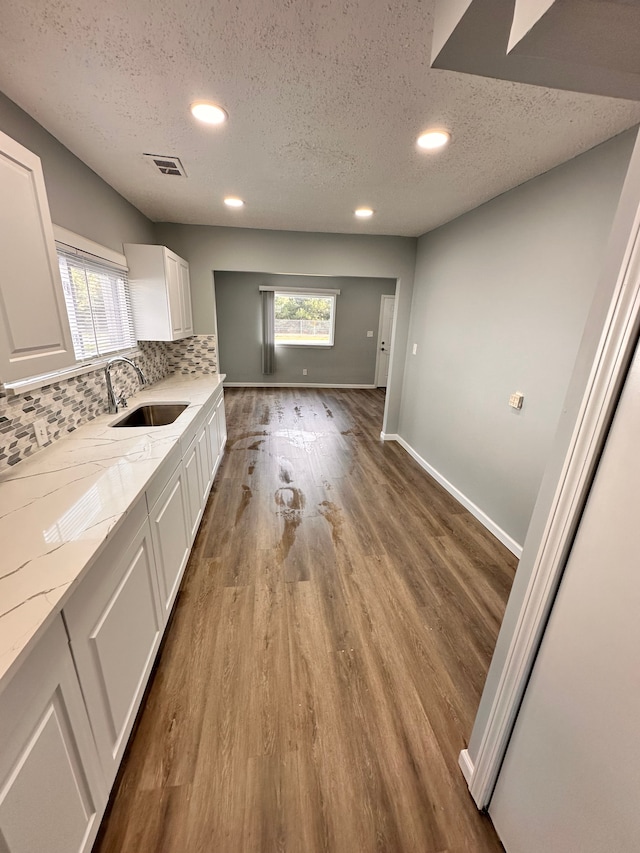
(570, 782)
(387, 306)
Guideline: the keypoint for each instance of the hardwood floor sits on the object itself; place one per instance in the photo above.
(327, 651)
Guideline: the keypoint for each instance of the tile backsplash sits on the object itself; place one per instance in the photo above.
(69, 403)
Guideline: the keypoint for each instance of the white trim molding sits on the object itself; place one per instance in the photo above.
(466, 765)
(89, 247)
(309, 291)
(610, 365)
(294, 385)
(474, 509)
(21, 386)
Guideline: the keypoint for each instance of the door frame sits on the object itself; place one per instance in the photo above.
(609, 369)
(377, 371)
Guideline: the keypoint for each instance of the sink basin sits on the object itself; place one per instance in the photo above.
(154, 414)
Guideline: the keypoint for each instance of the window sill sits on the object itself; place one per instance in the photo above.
(34, 382)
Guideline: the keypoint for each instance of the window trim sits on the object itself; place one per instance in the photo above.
(310, 292)
(82, 245)
(21, 386)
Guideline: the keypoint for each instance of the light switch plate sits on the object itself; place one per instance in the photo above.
(369, 334)
(415, 349)
(516, 400)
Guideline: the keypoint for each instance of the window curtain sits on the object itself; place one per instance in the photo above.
(268, 332)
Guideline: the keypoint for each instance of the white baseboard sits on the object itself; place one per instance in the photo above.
(294, 385)
(466, 765)
(482, 517)
(389, 436)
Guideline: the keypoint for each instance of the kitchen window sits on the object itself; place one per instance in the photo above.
(304, 319)
(96, 293)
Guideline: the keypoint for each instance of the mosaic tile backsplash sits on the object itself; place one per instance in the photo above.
(71, 402)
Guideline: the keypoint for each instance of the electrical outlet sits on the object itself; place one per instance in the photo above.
(304, 371)
(516, 400)
(369, 334)
(41, 431)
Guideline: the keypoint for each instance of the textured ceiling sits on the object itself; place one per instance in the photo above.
(325, 97)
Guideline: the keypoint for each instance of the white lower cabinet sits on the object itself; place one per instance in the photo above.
(52, 794)
(170, 528)
(114, 621)
(64, 729)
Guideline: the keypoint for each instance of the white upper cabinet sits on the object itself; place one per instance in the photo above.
(34, 327)
(160, 293)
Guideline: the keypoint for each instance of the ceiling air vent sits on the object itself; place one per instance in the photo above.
(166, 165)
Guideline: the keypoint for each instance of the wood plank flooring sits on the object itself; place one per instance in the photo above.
(327, 651)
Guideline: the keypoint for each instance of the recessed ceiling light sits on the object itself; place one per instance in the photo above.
(231, 201)
(208, 113)
(363, 212)
(432, 139)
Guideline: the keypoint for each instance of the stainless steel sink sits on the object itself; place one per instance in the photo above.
(154, 414)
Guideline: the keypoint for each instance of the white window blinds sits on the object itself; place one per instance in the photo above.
(98, 303)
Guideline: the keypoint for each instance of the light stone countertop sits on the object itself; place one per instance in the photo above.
(60, 507)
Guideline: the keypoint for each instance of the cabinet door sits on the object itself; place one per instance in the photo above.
(34, 327)
(222, 423)
(193, 485)
(206, 475)
(213, 440)
(174, 289)
(171, 538)
(114, 623)
(185, 293)
(52, 794)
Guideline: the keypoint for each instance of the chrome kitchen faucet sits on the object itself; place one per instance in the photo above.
(121, 401)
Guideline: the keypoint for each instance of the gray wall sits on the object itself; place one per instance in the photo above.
(78, 198)
(614, 261)
(501, 297)
(209, 248)
(351, 360)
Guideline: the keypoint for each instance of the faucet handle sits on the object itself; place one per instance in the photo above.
(122, 401)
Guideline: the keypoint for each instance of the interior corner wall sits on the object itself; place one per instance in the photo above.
(501, 296)
(78, 198)
(209, 248)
